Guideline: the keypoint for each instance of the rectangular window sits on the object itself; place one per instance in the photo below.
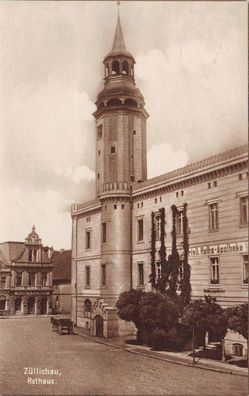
(179, 222)
(140, 230)
(213, 216)
(244, 210)
(88, 240)
(103, 232)
(30, 255)
(18, 278)
(31, 279)
(157, 227)
(140, 274)
(245, 268)
(87, 273)
(215, 272)
(3, 281)
(113, 150)
(103, 274)
(44, 279)
(99, 131)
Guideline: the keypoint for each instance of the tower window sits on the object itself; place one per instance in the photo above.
(122, 206)
(98, 152)
(215, 183)
(113, 149)
(88, 240)
(99, 131)
(115, 67)
(103, 275)
(140, 230)
(125, 68)
(140, 274)
(134, 132)
(103, 232)
(87, 276)
(115, 206)
(98, 176)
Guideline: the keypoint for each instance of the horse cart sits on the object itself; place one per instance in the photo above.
(62, 325)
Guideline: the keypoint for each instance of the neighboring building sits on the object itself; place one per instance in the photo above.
(26, 277)
(62, 295)
(111, 244)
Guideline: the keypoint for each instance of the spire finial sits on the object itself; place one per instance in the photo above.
(33, 228)
(118, 42)
(118, 4)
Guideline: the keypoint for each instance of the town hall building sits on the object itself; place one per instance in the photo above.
(112, 234)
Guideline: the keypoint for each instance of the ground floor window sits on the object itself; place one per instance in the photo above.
(88, 308)
(238, 349)
(2, 305)
(245, 268)
(215, 272)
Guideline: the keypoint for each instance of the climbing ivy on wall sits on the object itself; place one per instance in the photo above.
(174, 257)
(185, 286)
(169, 280)
(153, 251)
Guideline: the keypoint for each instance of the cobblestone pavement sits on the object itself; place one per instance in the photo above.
(89, 368)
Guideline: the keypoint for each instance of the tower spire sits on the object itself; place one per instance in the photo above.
(118, 42)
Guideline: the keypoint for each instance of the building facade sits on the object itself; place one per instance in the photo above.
(111, 244)
(62, 296)
(26, 277)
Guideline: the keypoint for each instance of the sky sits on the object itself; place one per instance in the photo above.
(191, 66)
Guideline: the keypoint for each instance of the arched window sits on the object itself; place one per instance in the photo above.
(125, 68)
(115, 67)
(88, 308)
(238, 349)
(114, 102)
(130, 102)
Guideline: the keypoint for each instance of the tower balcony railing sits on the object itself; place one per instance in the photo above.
(115, 187)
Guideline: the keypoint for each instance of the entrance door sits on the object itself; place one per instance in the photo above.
(43, 306)
(31, 305)
(99, 326)
(18, 304)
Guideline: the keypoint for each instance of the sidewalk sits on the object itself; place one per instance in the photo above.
(180, 358)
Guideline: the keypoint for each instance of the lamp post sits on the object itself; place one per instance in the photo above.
(193, 341)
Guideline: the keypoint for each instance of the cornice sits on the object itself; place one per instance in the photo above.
(214, 167)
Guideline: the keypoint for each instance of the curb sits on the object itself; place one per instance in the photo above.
(202, 367)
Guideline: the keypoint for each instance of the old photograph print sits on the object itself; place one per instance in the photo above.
(124, 198)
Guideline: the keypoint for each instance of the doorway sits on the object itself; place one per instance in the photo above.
(31, 305)
(43, 306)
(99, 326)
(18, 304)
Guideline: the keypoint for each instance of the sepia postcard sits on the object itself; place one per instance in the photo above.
(124, 198)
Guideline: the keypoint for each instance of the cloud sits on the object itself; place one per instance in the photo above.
(162, 158)
(79, 174)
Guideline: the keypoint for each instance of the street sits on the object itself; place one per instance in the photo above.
(84, 367)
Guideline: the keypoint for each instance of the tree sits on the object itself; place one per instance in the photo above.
(128, 308)
(237, 319)
(157, 311)
(205, 315)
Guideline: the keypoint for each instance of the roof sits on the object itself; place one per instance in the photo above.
(118, 46)
(11, 250)
(62, 265)
(194, 167)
